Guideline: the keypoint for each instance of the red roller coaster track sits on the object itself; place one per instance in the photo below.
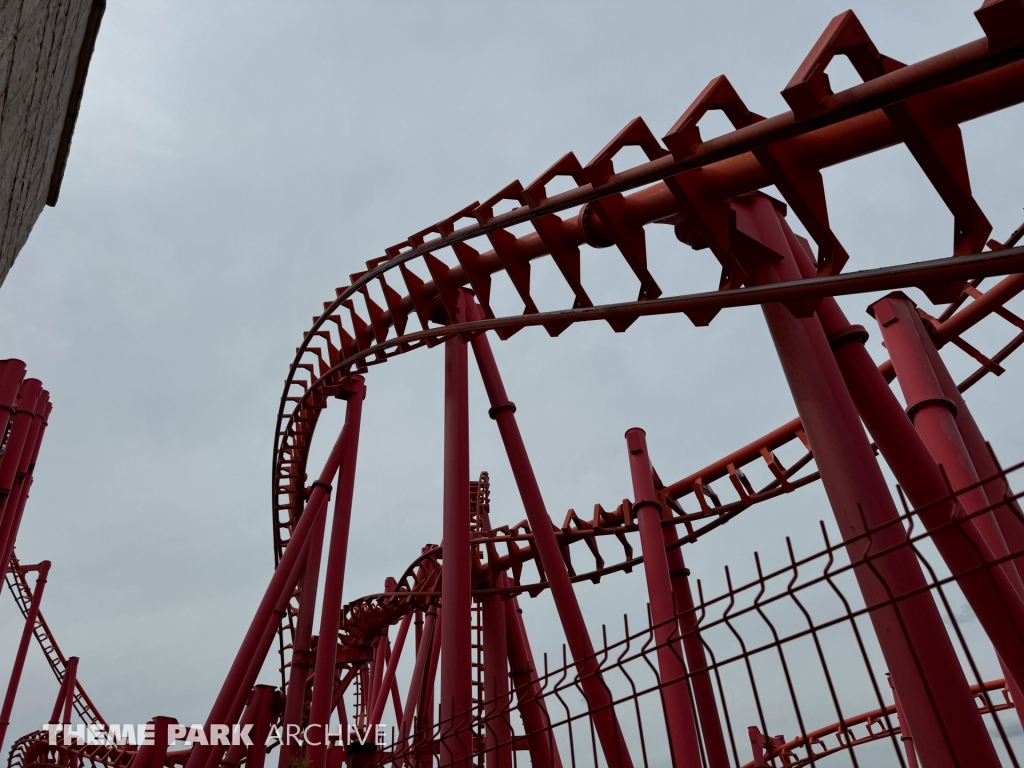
(708, 680)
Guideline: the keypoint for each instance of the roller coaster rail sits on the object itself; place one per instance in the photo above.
(905, 635)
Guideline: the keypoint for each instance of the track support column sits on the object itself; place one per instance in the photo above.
(536, 722)
(417, 680)
(700, 679)
(66, 696)
(599, 698)
(456, 596)
(936, 697)
(380, 703)
(330, 611)
(675, 688)
(302, 655)
(905, 736)
(932, 413)
(497, 717)
(260, 635)
(988, 589)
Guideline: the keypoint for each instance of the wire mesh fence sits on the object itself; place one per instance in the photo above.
(786, 665)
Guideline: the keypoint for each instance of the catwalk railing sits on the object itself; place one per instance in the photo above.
(796, 670)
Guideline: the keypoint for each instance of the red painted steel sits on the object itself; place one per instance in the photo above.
(43, 569)
(905, 735)
(62, 707)
(302, 660)
(455, 694)
(258, 714)
(991, 594)
(502, 410)
(682, 728)
(426, 706)
(700, 681)
(698, 664)
(12, 373)
(61, 666)
(923, 663)
(153, 755)
(326, 652)
(389, 675)
(14, 507)
(1008, 514)
(241, 676)
(407, 727)
(497, 712)
(523, 673)
(262, 701)
(17, 451)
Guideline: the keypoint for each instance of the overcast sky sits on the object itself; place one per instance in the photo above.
(234, 162)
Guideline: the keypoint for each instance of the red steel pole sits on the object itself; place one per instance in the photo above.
(71, 675)
(932, 413)
(143, 753)
(262, 701)
(237, 752)
(539, 737)
(330, 610)
(598, 696)
(419, 673)
(153, 755)
(426, 707)
(21, 422)
(989, 591)
(62, 707)
(905, 736)
(302, 637)
(26, 637)
(234, 712)
(10, 460)
(12, 373)
(675, 689)
(396, 702)
(257, 714)
(700, 679)
(384, 692)
(29, 453)
(1008, 514)
(15, 506)
(257, 640)
(497, 722)
(937, 699)
(933, 416)
(456, 621)
(377, 666)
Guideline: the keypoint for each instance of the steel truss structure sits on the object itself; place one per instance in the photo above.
(859, 649)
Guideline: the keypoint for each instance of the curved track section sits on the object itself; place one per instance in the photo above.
(696, 656)
(509, 547)
(686, 184)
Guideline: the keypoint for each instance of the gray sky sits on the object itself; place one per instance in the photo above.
(234, 162)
